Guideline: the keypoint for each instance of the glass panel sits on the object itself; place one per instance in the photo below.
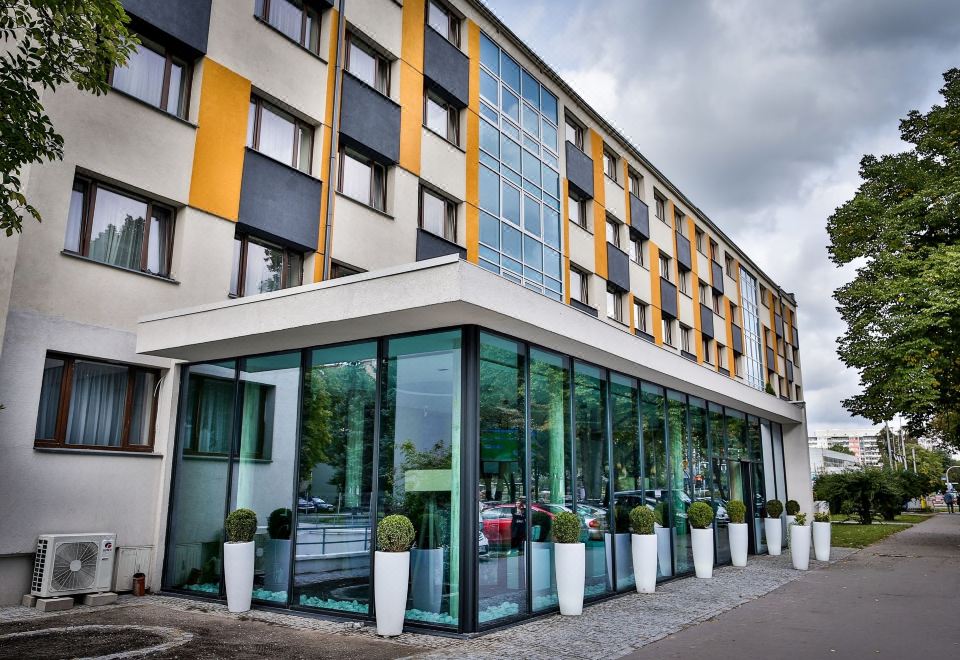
(355, 178)
(502, 560)
(551, 227)
(141, 417)
(532, 253)
(551, 263)
(142, 76)
(510, 238)
(235, 272)
(757, 482)
(627, 466)
(305, 148)
(736, 435)
(531, 89)
(335, 480)
(489, 54)
(488, 87)
(294, 269)
(510, 104)
(489, 191)
(438, 19)
(264, 269)
(531, 215)
(269, 391)
(655, 471)
(116, 235)
(509, 71)
(75, 217)
(551, 181)
(286, 17)
(510, 152)
(511, 204)
(679, 480)
(778, 462)
(489, 137)
(489, 230)
(158, 244)
(531, 120)
(362, 64)
(549, 135)
(49, 398)
(592, 473)
(548, 105)
(434, 214)
(175, 93)
(420, 466)
(200, 479)
(98, 398)
(700, 490)
(720, 481)
(277, 134)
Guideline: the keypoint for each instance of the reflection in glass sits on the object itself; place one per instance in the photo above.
(680, 480)
(720, 481)
(655, 472)
(420, 465)
(116, 232)
(592, 472)
(335, 479)
(264, 268)
(700, 461)
(735, 432)
(627, 467)
(754, 451)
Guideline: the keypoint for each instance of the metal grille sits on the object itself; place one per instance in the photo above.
(39, 561)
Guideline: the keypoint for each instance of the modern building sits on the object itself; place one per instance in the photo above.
(330, 263)
(864, 443)
(828, 461)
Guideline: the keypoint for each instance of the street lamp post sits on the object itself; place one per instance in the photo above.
(946, 475)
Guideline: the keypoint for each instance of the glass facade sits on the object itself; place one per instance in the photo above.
(752, 342)
(323, 442)
(519, 179)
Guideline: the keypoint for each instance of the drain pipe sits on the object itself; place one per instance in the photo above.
(334, 137)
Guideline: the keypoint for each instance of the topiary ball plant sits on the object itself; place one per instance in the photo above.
(240, 526)
(641, 520)
(821, 517)
(793, 507)
(800, 519)
(774, 508)
(395, 534)
(700, 515)
(566, 527)
(278, 524)
(737, 511)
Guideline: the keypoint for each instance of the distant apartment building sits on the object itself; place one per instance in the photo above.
(828, 461)
(864, 443)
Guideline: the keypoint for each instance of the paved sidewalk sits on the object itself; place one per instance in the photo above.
(896, 599)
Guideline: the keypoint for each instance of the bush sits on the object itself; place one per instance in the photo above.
(641, 520)
(700, 515)
(278, 524)
(660, 513)
(774, 508)
(793, 507)
(622, 518)
(865, 492)
(737, 511)
(566, 527)
(821, 517)
(240, 526)
(800, 519)
(395, 534)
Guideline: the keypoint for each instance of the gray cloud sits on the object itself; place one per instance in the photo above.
(759, 112)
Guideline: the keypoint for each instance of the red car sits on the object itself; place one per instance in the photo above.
(503, 524)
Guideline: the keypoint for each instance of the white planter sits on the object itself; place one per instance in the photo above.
(644, 550)
(276, 566)
(800, 548)
(571, 568)
(624, 559)
(738, 543)
(542, 567)
(821, 540)
(703, 551)
(774, 529)
(391, 576)
(663, 549)
(238, 574)
(790, 521)
(426, 569)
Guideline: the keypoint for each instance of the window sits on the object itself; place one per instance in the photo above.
(704, 292)
(119, 229)
(637, 250)
(698, 237)
(665, 267)
(683, 281)
(615, 305)
(678, 220)
(578, 286)
(294, 19)
(685, 338)
(610, 161)
(706, 350)
(338, 269)
(367, 65)
(574, 133)
(728, 264)
(577, 210)
(660, 208)
(782, 386)
(668, 331)
(717, 304)
(154, 76)
(799, 392)
(713, 250)
(721, 356)
(438, 215)
(763, 295)
(259, 267)
(444, 21)
(279, 135)
(96, 405)
(733, 313)
(640, 316)
(636, 183)
(441, 118)
(362, 179)
(613, 232)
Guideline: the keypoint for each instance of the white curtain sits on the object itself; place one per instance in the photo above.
(96, 404)
(286, 17)
(142, 76)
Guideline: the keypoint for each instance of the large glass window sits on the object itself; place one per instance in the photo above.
(680, 480)
(280, 135)
(294, 18)
(335, 479)
(438, 215)
(757, 481)
(259, 267)
(154, 76)
(362, 179)
(627, 473)
(419, 470)
(753, 349)
(368, 65)
(502, 488)
(655, 472)
(720, 481)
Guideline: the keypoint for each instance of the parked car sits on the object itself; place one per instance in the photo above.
(321, 505)
(483, 545)
(503, 524)
(594, 520)
(305, 506)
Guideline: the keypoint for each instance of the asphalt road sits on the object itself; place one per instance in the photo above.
(897, 599)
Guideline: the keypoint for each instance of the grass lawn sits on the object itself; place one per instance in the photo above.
(911, 518)
(860, 536)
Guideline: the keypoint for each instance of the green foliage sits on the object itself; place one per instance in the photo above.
(902, 232)
(737, 511)
(240, 526)
(774, 508)
(395, 534)
(840, 447)
(821, 517)
(800, 519)
(660, 513)
(641, 520)
(278, 524)
(868, 492)
(700, 515)
(566, 527)
(46, 44)
(793, 507)
(769, 389)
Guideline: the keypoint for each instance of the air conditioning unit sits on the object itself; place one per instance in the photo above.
(72, 564)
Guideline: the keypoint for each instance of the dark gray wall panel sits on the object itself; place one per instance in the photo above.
(618, 267)
(717, 276)
(778, 324)
(789, 370)
(187, 21)
(446, 67)
(430, 245)
(579, 171)
(640, 217)
(736, 340)
(770, 359)
(592, 311)
(279, 203)
(668, 298)
(706, 321)
(369, 121)
(683, 252)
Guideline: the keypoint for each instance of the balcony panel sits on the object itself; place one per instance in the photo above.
(369, 121)
(446, 67)
(187, 21)
(706, 321)
(430, 245)
(683, 252)
(668, 298)
(736, 339)
(618, 267)
(717, 273)
(579, 171)
(778, 324)
(639, 217)
(789, 365)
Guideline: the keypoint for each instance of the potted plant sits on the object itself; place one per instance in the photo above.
(570, 558)
(391, 573)
(621, 539)
(737, 529)
(700, 515)
(800, 548)
(238, 555)
(773, 526)
(426, 564)
(541, 551)
(277, 555)
(663, 537)
(644, 547)
(793, 508)
(821, 535)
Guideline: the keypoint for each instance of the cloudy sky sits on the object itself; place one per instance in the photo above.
(760, 112)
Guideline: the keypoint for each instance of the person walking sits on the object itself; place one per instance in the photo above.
(949, 498)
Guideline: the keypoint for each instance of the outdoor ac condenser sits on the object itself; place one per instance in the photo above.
(72, 564)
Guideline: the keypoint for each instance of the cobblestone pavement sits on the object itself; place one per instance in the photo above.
(605, 630)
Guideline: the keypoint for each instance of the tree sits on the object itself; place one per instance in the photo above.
(902, 309)
(55, 42)
(840, 447)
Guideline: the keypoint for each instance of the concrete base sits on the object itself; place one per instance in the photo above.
(54, 604)
(105, 598)
(28, 600)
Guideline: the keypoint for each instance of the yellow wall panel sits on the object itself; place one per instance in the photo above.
(327, 137)
(656, 318)
(473, 146)
(599, 208)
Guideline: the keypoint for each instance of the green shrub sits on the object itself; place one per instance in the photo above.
(737, 511)
(622, 518)
(278, 524)
(821, 517)
(660, 513)
(395, 534)
(774, 508)
(769, 389)
(240, 526)
(566, 527)
(793, 507)
(800, 519)
(641, 520)
(700, 515)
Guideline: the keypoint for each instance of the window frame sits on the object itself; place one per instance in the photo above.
(241, 265)
(637, 250)
(616, 297)
(612, 227)
(453, 22)
(660, 207)
(685, 334)
(705, 344)
(678, 217)
(640, 315)
(170, 60)
(382, 67)
(635, 183)
(683, 281)
(577, 127)
(666, 267)
(375, 167)
(450, 214)
(717, 304)
(584, 285)
(453, 118)
(728, 264)
(698, 240)
(305, 11)
(581, 216)
(721, 356)
(298, 125)
(667, 324)
(63, 407)
(610, 161)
